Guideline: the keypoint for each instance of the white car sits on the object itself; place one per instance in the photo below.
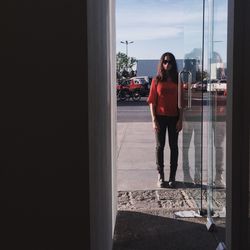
(144, 80)
(218, 86)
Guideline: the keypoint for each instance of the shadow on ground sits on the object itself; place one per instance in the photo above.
(142, 231)
(130, 102)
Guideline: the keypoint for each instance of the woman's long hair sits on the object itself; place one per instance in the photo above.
(162, 74)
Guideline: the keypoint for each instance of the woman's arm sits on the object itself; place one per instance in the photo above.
(179, 122)
(153, 116)
(180, 112)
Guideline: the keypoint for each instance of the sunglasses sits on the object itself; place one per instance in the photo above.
(166, 61)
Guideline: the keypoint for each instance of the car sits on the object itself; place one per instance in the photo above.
(221, 86)
(185, 85)
(200, 86)
(130, 88)
(145, 81)
(217, 86)
(144, 84)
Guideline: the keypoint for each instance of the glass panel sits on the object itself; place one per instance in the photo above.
(193, 91)
(215, 114)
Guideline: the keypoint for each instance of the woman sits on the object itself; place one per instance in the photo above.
(163, 102)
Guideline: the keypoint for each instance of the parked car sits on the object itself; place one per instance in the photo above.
(217, 86)
(200, 86)
(221, 86)
(130, 88)
(145, 81)
(185, 85)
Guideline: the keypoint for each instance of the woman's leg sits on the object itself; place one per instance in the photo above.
(173, 144)
(160, 143)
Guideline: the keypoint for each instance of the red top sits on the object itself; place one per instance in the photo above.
(166, 97)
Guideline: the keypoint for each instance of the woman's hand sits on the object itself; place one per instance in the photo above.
(156, 126)
(179, 125)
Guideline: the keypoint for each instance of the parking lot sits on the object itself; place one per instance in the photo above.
(138, 111)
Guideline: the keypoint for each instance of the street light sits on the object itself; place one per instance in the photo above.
(127, 43)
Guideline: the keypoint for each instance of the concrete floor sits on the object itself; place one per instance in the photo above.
(136, 154)
(157, 230)
(146, 214)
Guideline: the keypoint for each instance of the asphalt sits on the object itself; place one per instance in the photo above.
(152, 218)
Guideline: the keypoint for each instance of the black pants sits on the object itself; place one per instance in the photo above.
(167, 122)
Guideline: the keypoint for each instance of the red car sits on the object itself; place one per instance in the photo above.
(130, 88)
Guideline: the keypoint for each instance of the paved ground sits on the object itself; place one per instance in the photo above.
(136, 155)
(158, 230)
(146, 214)
(151, 220)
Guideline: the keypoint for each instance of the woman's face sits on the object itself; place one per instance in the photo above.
(166, 63)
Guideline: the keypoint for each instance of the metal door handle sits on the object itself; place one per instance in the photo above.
(189, 85)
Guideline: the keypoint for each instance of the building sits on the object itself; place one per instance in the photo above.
(148, 67)
(58, 138)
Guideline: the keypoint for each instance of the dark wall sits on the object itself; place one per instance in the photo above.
(238, 109)
(44, 133)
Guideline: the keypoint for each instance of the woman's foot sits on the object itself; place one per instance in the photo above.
(171, 184)
(160, 182)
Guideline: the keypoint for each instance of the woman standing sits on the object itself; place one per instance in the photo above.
(163, 102)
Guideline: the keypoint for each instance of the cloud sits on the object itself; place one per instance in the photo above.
(149, 33)
(152, 23)
(174, 21)
(156, 19)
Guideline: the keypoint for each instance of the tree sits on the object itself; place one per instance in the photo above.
(124, 63)
(200, 76)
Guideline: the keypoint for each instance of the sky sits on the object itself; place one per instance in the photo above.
(157, 26)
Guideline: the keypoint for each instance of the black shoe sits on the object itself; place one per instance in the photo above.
(160, 182)
(171, 184)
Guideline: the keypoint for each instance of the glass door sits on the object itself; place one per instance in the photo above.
(203, 87)
(192, 90)
(215, 116)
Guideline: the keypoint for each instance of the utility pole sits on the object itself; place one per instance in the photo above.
(127, 43)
